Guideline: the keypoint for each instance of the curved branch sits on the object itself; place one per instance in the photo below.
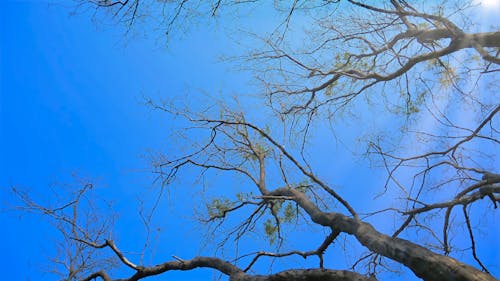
(318, 252)
(236, 274)
(465, 200)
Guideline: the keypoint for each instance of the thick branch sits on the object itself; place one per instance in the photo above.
(103, 275)
(307, 275)
(236, 274)
(423, 262)
(197, 262)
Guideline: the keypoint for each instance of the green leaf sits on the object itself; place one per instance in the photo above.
(271, 231)
(218, 207)
(289, 213)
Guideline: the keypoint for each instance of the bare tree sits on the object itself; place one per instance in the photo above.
(408, 61)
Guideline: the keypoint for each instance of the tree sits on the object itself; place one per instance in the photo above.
(404, 60)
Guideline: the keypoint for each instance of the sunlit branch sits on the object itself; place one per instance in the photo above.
(110, 244)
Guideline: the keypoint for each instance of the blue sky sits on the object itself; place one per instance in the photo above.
(72, 102)
(72, 98)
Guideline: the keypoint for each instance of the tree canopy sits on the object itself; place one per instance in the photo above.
(406, 90)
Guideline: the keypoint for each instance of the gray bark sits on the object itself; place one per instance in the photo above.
(423, 262)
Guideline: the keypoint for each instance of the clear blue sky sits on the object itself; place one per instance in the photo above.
(71, 102)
